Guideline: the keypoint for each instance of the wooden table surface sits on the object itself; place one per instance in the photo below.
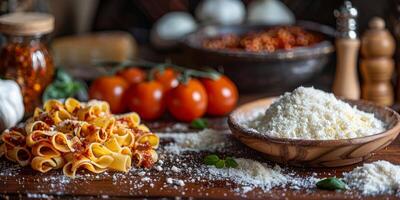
(23, 183)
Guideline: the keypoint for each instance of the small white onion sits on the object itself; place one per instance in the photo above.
(170, 28)
(223, 12)
(269, 12)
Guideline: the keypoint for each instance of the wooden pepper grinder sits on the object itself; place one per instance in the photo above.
(377, 64)
(347, 45)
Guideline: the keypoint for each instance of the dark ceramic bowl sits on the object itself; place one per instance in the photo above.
(261, 71)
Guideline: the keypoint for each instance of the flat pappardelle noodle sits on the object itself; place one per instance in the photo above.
(45, 164)
(74, 135)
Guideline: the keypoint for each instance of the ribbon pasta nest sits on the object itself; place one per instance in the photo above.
(74, 135)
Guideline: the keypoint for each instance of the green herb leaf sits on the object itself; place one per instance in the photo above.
(230, 162)
(62, 76)
(331, 183)
(220, 164)
(199, 123)
(63, 86)
(211, 159)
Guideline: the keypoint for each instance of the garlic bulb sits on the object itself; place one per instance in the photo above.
(269, 12)
(170, 28)
(12, 105)
(223, 12)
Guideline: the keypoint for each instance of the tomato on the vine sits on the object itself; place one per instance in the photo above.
(147, 99)
(222, 95)
(110, 89)
(167, 77)
(187, 101)
(132, 75)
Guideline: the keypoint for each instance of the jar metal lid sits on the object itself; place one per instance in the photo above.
(26, 23)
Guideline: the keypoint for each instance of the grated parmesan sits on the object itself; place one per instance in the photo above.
(308, 113)
(380, 177)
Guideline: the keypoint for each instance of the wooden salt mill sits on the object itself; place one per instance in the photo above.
(347, 45)
(377, 64)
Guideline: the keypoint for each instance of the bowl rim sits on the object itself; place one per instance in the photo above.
(322, 48)
(236, 127)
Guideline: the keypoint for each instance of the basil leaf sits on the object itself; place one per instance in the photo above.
(63, 76)
(63, 86)
(220, 164)
(331, 183)
(199, 123)
(230, 162)
(211, 159)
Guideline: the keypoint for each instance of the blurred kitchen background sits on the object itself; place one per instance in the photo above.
(137, 17)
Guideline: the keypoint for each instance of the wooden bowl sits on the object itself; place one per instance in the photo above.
(314, 153)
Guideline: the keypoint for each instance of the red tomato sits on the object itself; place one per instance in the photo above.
(168, 78)
(222, 95)
(187, 101)
(110, 89)
(146, 99)
(132, 75)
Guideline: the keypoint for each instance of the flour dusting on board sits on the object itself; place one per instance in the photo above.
(178, 168)
(308, 113)
(251, 174)
(380, 177)
(206, 140)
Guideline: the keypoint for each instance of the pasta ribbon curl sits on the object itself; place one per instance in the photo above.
(72, 136)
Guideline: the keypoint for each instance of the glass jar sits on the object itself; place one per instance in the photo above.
(24, 56)
(28, 62)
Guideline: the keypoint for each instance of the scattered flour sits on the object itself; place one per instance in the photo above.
(177, 182)
(206, 140)
(175, 171)
(158, 168)
(251, 174)
(177, 127)
(38, 196)
(380, 177)
(308, 113)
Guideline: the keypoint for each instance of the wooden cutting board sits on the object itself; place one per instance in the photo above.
(26, 183)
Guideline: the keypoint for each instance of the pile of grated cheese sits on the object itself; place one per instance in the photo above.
(308, 113)
(380, 177)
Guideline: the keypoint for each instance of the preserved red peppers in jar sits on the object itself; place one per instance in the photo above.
(24, 56)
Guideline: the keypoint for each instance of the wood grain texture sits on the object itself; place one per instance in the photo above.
(346, 83)
(26, 23)
(315, 153)
(105, 186)
(377, 64)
